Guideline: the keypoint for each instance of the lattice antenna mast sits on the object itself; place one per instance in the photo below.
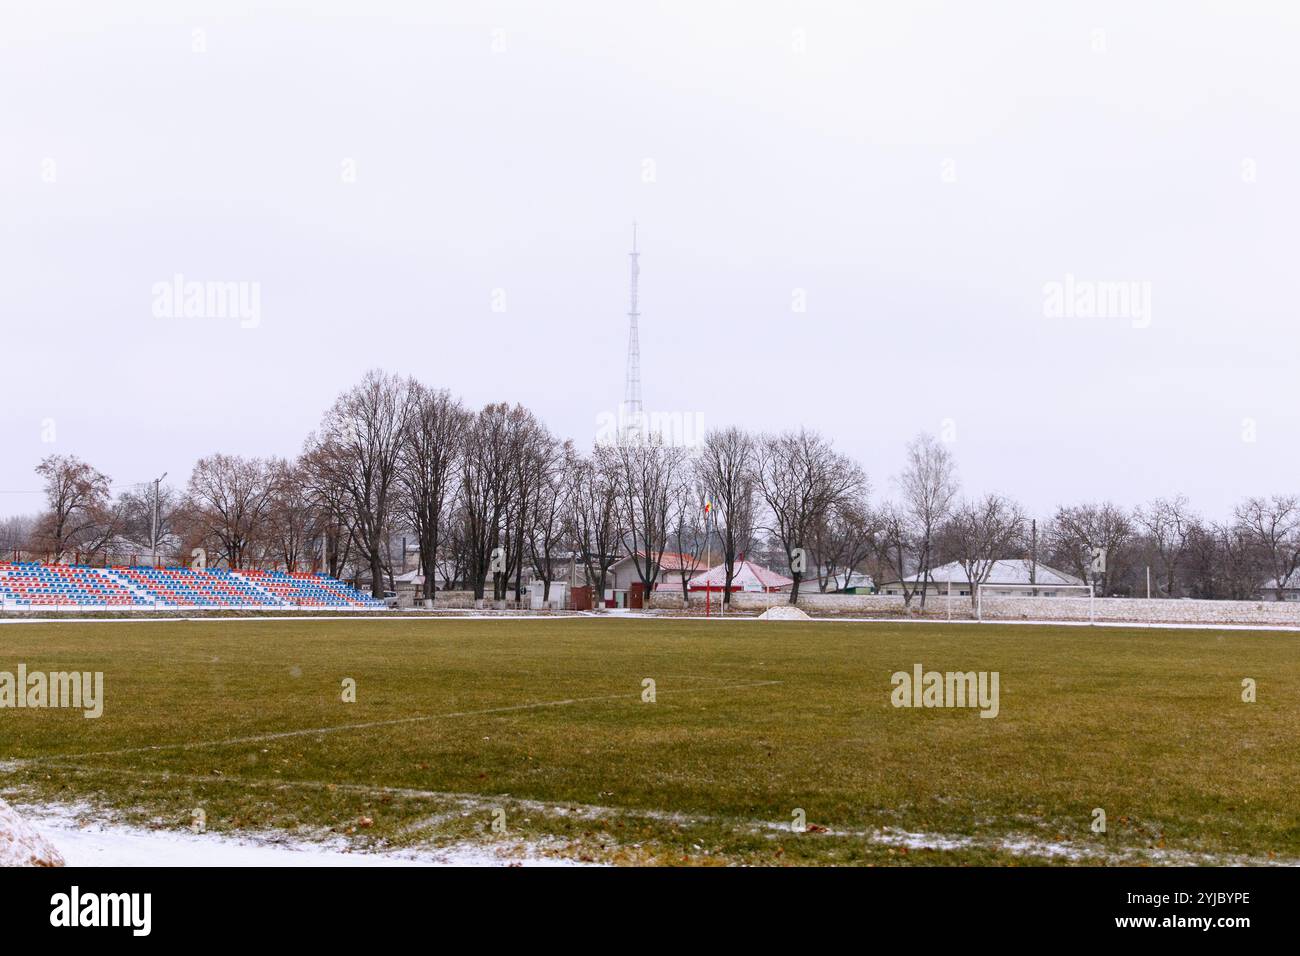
(632, 413)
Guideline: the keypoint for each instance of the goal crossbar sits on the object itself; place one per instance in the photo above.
(1020, 588)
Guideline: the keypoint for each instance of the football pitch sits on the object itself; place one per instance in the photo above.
(675, 741)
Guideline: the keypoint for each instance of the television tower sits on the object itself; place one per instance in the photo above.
(631, 419)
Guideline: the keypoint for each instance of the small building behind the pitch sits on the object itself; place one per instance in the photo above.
(746, 576)
(1288, 591)
(1018, 577)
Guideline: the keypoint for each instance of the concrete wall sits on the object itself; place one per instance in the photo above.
(1137, 610)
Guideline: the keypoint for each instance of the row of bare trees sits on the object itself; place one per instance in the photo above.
(490, 497)
(241, 511)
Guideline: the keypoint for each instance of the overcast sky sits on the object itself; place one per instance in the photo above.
(390, 176)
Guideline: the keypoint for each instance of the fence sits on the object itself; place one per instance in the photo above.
(1010, 608)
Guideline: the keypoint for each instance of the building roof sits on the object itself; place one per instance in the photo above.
(837, 582)
(745, 574)
(1009, 571)
(1290, 582)
(672, 561)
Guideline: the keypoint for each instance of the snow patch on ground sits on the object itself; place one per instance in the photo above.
(784, 612)
(87, 841)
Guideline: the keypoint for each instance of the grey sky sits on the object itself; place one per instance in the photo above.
(919, 170)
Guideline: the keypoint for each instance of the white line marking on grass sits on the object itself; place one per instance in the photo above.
(397, 721)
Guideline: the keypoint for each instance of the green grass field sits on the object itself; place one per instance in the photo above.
(544, 721)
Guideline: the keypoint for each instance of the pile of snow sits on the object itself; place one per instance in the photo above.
(784, 612)
(20, 845)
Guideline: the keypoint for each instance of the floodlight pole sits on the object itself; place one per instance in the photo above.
(153, 528)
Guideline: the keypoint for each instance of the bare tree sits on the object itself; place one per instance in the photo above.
(978, 533)
(361, 439)
(334, 530)
(292, 514)
(649, 472)
(427, 470)
(727, 468)
(15, 534)
(229, 499)
(594, 518)
(929, 485)
(687, 528)
(802, 478)
(78, 515)
(550, 512)
(1274, 525)
(1168, 522)
(533, 453)
(1076, 531)
(135, 509)
(1241, 562)
(487, 483)
(843, 539)
(896, 550)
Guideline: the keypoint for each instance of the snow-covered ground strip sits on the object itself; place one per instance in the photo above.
(84, 841)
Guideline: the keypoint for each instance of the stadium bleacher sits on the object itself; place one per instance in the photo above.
(34, 587)
(307, 590)
(195, 587)
(40, 586)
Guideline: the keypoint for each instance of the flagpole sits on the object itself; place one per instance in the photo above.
(708, 561)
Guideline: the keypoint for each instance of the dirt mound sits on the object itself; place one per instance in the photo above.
(784, 612)
(20, 845)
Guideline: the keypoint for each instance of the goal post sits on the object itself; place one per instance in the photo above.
(1019, 589)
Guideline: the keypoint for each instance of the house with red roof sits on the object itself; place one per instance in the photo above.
(746, 576)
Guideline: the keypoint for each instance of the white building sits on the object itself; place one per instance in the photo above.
(1012, 577)
(1290, 588)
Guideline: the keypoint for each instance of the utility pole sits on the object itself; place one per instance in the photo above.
(153, 528)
